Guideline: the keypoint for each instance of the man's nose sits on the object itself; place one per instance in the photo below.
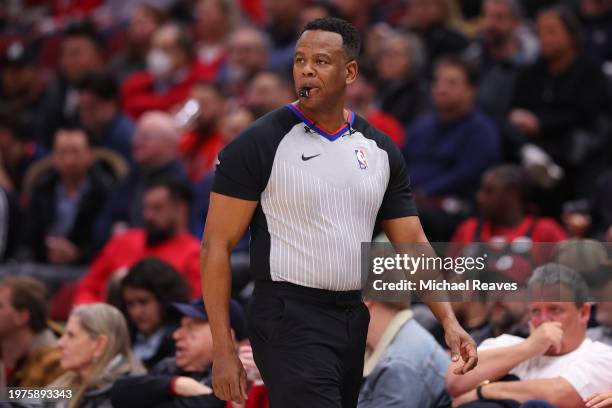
(309, 70)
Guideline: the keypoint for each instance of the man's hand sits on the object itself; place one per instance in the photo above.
(546, 337)
(526, 121)
(188, 387)
(465, 398)
(461, 345)
(61, 251)
(599, 400)
(229, 378)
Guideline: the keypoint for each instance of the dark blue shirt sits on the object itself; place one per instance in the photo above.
(449, 158)
(118, 136)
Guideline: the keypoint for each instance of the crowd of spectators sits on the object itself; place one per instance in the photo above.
(112, 114)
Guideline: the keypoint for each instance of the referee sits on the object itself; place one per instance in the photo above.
(310, 180)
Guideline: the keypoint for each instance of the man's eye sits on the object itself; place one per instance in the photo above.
(321, 62)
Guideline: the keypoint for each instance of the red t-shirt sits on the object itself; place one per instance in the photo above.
(199, 156)
(138, 94)
(388, 125)
(544, 230)
(123, 251)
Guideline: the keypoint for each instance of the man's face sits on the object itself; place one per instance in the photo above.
(451, 90)
(321, 63)
(394, 61)
(211, 107)
(498, 23)
(491, 196)
(17, 80)
(161, 215)
(147, 144)
(79, 55)
(573, 320)
(143, 309)
(425, 13)
(71, 154)
(554, 38)
(10, 318)
(165, 40)
(507, 310)
(94, 112)
(142, 26)
(266, 93)
(194, 347)
(247, 52)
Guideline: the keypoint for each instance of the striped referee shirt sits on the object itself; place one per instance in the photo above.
(319, 195)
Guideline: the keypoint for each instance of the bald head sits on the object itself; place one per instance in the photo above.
(156, 140)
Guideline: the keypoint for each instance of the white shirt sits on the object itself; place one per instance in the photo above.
(588, 368)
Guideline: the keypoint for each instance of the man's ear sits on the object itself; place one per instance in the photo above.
(352, 70)
(585, 313)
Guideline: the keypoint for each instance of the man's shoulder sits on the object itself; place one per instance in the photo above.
(505, 340)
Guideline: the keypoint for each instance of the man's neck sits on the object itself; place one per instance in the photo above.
(329, 119)
(504, 51)
(16, 346)
(561, 63)
(73, 186)
(377, 328)
(454, 114)
(509, 219)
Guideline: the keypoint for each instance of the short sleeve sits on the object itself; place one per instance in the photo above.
(505, 340)
(592, 372)
(398, 200)
(239, 169)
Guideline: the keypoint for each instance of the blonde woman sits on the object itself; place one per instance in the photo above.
(95, 352)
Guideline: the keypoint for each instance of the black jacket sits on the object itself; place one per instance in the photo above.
(41, 214)
(153, 390)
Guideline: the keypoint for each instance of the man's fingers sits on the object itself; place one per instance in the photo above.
(606, 403)
(595, 399)
(243, 385)
(470, 364)
(453, 343)
(235, 391)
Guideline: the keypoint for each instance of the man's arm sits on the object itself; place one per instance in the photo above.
(557, 391)
(493, 364)
(227, 220)
(409, 230)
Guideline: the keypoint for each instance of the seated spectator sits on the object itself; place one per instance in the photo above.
(596, 21)
(165, 212)
(10, 222)
(215, 21)
(557, 363)
(248, 53)
(155, 153)
(30, 357)
(360, 99)
(18, 152)
(100, 115)
(502, 203)
(560, 102)
(200, 145)
(22, 88)
(435, 21)
(65, 203)
(449, 148)
(282, 27)
(185, 380)
(503, 46)
(96, 353)
(145, 293)
(268, 91)
(80, 53)
(402, 91)
(172, 69)
(144, 20)
(404, 364)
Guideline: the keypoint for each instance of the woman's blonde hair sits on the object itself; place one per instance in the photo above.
(98, 319)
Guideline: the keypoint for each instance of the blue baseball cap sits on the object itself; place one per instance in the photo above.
(197, 310)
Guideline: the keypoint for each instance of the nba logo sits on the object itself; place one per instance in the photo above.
(361, 159)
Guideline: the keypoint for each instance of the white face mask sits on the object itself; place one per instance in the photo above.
(159, 63)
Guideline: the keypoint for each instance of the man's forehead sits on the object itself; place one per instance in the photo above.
(320, 41)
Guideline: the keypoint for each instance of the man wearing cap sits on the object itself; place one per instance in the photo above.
(22, 89)
(184, 380)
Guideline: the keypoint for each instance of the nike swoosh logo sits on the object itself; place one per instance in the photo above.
(306, 158)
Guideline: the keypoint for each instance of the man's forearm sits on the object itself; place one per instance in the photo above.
(216, 290)
(556, 391)
(492, 365)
